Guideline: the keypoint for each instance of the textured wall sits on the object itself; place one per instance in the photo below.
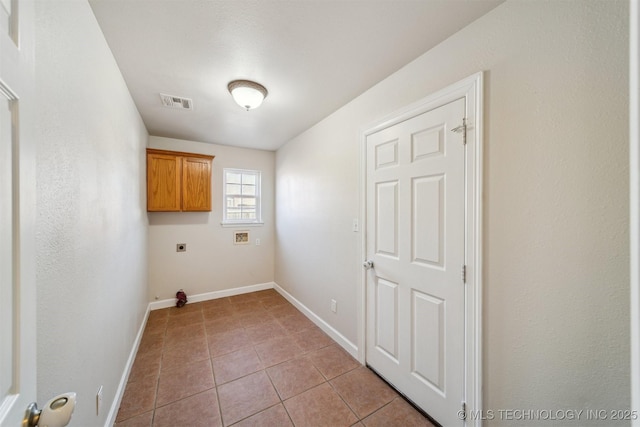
(91, 222)
(556, 283)
(212, 261)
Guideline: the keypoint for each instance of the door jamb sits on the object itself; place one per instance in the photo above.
(634, 202)
(471, 89)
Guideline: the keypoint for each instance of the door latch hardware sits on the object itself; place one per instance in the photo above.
(462, 129)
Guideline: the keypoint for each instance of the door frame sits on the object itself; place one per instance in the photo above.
(471, 89)
(634, 201)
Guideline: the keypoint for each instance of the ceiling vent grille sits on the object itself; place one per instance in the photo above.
(171, 101)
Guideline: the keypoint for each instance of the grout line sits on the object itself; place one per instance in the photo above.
(215, 383)
(155, 397)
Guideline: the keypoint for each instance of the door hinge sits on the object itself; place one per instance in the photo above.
(462, 129)
(464, 274)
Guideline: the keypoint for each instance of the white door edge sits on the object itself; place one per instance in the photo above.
(470, 88)
(634, 187)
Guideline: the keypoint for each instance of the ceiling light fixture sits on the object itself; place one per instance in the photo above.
(247, 94)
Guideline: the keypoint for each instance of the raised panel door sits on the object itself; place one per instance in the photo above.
(196, 184)
(163, 182)
(415, 239)
(18, 352)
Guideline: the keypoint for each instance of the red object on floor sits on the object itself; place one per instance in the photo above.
(182, 298)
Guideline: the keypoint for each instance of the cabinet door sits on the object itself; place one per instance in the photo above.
(163, 182)
(196, 184)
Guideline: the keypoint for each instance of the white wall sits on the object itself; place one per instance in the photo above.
(91, 222)
(556, 281)
(212, 261)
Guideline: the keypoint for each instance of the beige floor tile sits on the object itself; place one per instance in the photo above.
(254, 318)
(180, 355)
(184, 381)
(222, 324)
(332, 361)
(312, 339)
(251, 360)
(227, 342)
(243, 298)
(184, 334)
(295, 323)
(200, 410)
(213, 313)
(246, 396)
(146, 364)
(276, 416)
(273, 301)
(189, 308)
(265, 330)
(151, 342)
(319, 407)
(277, 350)
(216, 304)
(139, 397)
(363, 391)
(142, 420)
(251, 306)
(158, 315)
(235, 365)
(266, 293)
(187, 319)
(397, 413)
(283, 310)
(157, 325)
(294, 377)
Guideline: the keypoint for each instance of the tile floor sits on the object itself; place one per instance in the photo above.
(251, 360)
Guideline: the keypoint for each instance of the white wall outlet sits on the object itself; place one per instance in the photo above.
(334, 306)
(257, 242)
(356, 225)
(99, 401)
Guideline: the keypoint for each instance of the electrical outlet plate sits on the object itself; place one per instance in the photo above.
(334, 306)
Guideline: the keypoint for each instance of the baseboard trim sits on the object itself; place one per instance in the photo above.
(117, 399)
(157, 305)
(350, 347)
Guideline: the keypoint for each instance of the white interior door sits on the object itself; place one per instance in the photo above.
(17, 212)
(415, 294)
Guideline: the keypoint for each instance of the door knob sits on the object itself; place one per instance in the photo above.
(368, 264)
(56, 413)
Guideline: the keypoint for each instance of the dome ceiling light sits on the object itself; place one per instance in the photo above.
(247, 94)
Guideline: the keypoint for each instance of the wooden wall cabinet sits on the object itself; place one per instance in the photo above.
(178, 182)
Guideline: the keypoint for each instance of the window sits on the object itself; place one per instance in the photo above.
(241, 197)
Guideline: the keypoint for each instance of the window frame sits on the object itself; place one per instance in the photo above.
(258, 197)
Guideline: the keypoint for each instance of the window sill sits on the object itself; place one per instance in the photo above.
(242, 224)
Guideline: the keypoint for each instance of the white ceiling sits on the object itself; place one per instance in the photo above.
(313, 56)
